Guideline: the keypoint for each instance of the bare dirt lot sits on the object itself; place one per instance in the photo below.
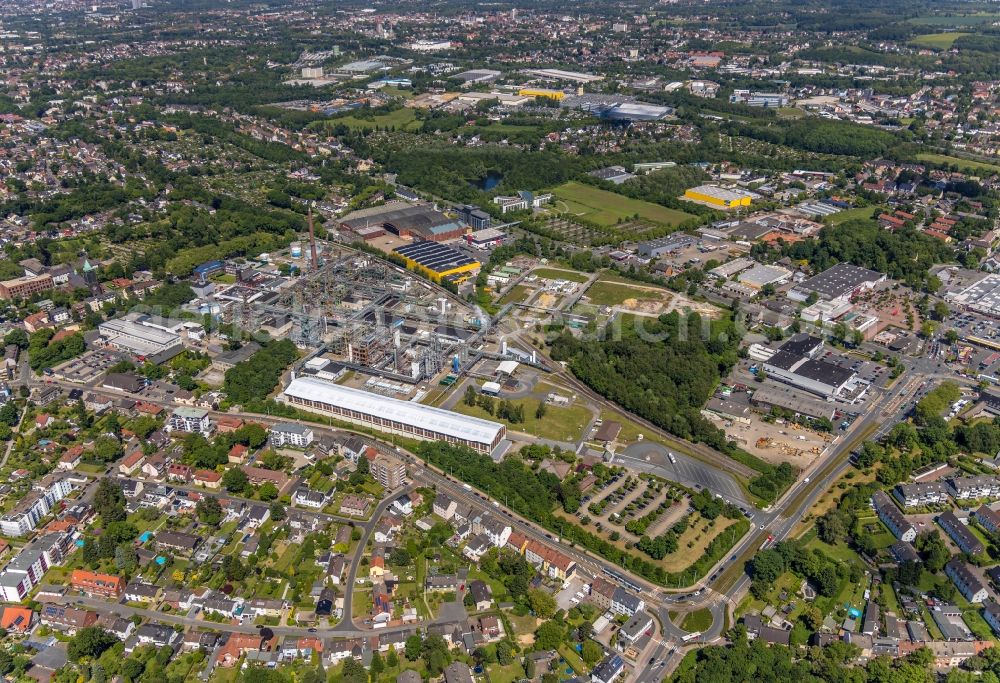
(776, 443)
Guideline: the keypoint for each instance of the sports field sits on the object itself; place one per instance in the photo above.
(608, 208)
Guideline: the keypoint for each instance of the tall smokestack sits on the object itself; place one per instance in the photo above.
(312, 241)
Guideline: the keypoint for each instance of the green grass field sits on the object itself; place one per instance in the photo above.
(697, 621)
(401, 119)
(853, 214)
(558, 274)
(937, 41)
(790, 113)
(516, 295)
(966, 165)
(558, 424)
(607, 208)
(611, 294)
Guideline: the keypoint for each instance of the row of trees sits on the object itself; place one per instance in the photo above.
(505, 410)
(745, 660)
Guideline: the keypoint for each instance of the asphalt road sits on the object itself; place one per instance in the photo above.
(651, 457)
(346, 624)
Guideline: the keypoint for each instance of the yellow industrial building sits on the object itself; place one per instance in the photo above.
(718, 197)
(542, 92)
(438, 261)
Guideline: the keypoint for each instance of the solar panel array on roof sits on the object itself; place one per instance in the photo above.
(434, 256)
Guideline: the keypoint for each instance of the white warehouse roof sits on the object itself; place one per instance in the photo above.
(407, 412)
(507, 367)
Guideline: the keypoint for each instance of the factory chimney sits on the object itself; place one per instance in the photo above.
(312, 241)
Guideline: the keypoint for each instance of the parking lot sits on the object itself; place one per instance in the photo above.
(974, 325)
(572, 595)
(629, 497)
(869, 371)
(86, 368)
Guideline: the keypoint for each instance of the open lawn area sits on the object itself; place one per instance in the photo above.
(861, 212)
(572, 658)
(401, 119)
(790, 113)
(608, 208)
(881, 536)
(361, 603)
(517, 294)
(611, 294)
(974, 620)
(506, 674)
(889, 598)
(967, 165)
(699, 534)
(224, 675)
(838, 552)
(288, 555)
(558, 424)
(560, 274)
(937, 41)
(699, 620)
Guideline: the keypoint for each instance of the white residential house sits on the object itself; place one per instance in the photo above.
(444, 507)
(623, 602)
(193, 420)
(966, 581)
(974, 488)
(43, 497)
(497, 531)
(893, 518)
(291, 434)
(306, 497)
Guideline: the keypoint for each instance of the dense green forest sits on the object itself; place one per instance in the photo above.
(256, 377)
(452, 172)
(825, 137)
(45, 353)
(664, 370)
